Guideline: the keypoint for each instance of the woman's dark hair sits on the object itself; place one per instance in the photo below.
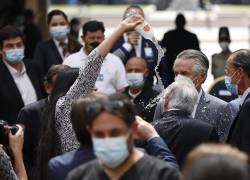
(78, 115)
(117, 104)
(217, 167)
(56, 12)
(48, 146)
(92, 26)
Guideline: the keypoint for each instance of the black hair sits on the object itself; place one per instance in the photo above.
(117, 104)
(217, 167)
(79, 123)
(92, 26)
(56, 12)
(180, 20)
(53, 71)
(48, 146)
(9, 32)
(241, 58)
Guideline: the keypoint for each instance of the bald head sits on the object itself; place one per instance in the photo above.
(137, 64)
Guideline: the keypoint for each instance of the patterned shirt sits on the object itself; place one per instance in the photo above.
(6, 170)
(83, 85)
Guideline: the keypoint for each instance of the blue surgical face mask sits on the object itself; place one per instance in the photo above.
(112, 152)
(14, 55)
(59, 32)
(230, 86)
(135, 79)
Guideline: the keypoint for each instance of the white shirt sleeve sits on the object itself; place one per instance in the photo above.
(120, 80)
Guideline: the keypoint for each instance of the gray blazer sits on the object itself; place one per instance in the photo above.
(211, 110)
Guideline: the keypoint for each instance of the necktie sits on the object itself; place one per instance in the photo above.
(65, 49)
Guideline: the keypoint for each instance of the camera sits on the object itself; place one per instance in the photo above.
(5, 128)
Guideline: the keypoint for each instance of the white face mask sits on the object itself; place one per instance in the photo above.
(59, 32)
(135, 79)
(112, 152)
(224, 46)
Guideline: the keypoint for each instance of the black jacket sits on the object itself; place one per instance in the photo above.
(46, 54)
(31, 117)
(142, 100)
(182, 133)
(10, 98)
(240, 130)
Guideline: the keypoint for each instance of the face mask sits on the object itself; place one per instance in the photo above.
(224, 46)
(59, 32)
(231, 87)
(14, 55)
(90, 47)
(112, 152)
(135, 79)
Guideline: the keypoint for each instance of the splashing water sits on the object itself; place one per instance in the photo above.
(146, 31)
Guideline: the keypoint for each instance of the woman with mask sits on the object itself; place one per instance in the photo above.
(59, 46)
(65, 139)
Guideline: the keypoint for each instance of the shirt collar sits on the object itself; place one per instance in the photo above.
(58, 42)
(13, 71)
(246, 92)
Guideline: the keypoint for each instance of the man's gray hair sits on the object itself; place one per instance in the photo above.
(201, 62)
(181, 94)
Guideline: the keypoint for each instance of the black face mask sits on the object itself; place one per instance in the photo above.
(90, 47)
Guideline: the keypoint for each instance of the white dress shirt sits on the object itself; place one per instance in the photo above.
(129, 47)
(196, 104)
(23, 83)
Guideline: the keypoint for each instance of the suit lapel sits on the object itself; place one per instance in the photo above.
(55, 50)
(202, 108)
(9, 83)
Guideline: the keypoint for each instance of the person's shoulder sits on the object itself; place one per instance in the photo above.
(216, 102)
(81, 170)
(61, 160)
(159, 167)
(114, 61)
(45, 43)
(36, 105)
(72, 58)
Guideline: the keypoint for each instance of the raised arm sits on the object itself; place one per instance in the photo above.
(85, 83)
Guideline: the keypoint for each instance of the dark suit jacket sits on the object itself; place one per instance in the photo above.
(176, 41)
(10, 98)
(142, 100)
(151, 59)
(46, 54)
(211, 110)
(182, 133)
(61, 165)
(31, 117)
(240, 130)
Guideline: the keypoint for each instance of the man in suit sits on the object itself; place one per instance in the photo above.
(139, 91)
(177, 40)
(132, 44)
(56, 49)
(181, 132)
(20, 79)
(194, 64)
(61, 165)
(238, 73)
(31, 117)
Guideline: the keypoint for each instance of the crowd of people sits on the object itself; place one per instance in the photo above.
(90, 111)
